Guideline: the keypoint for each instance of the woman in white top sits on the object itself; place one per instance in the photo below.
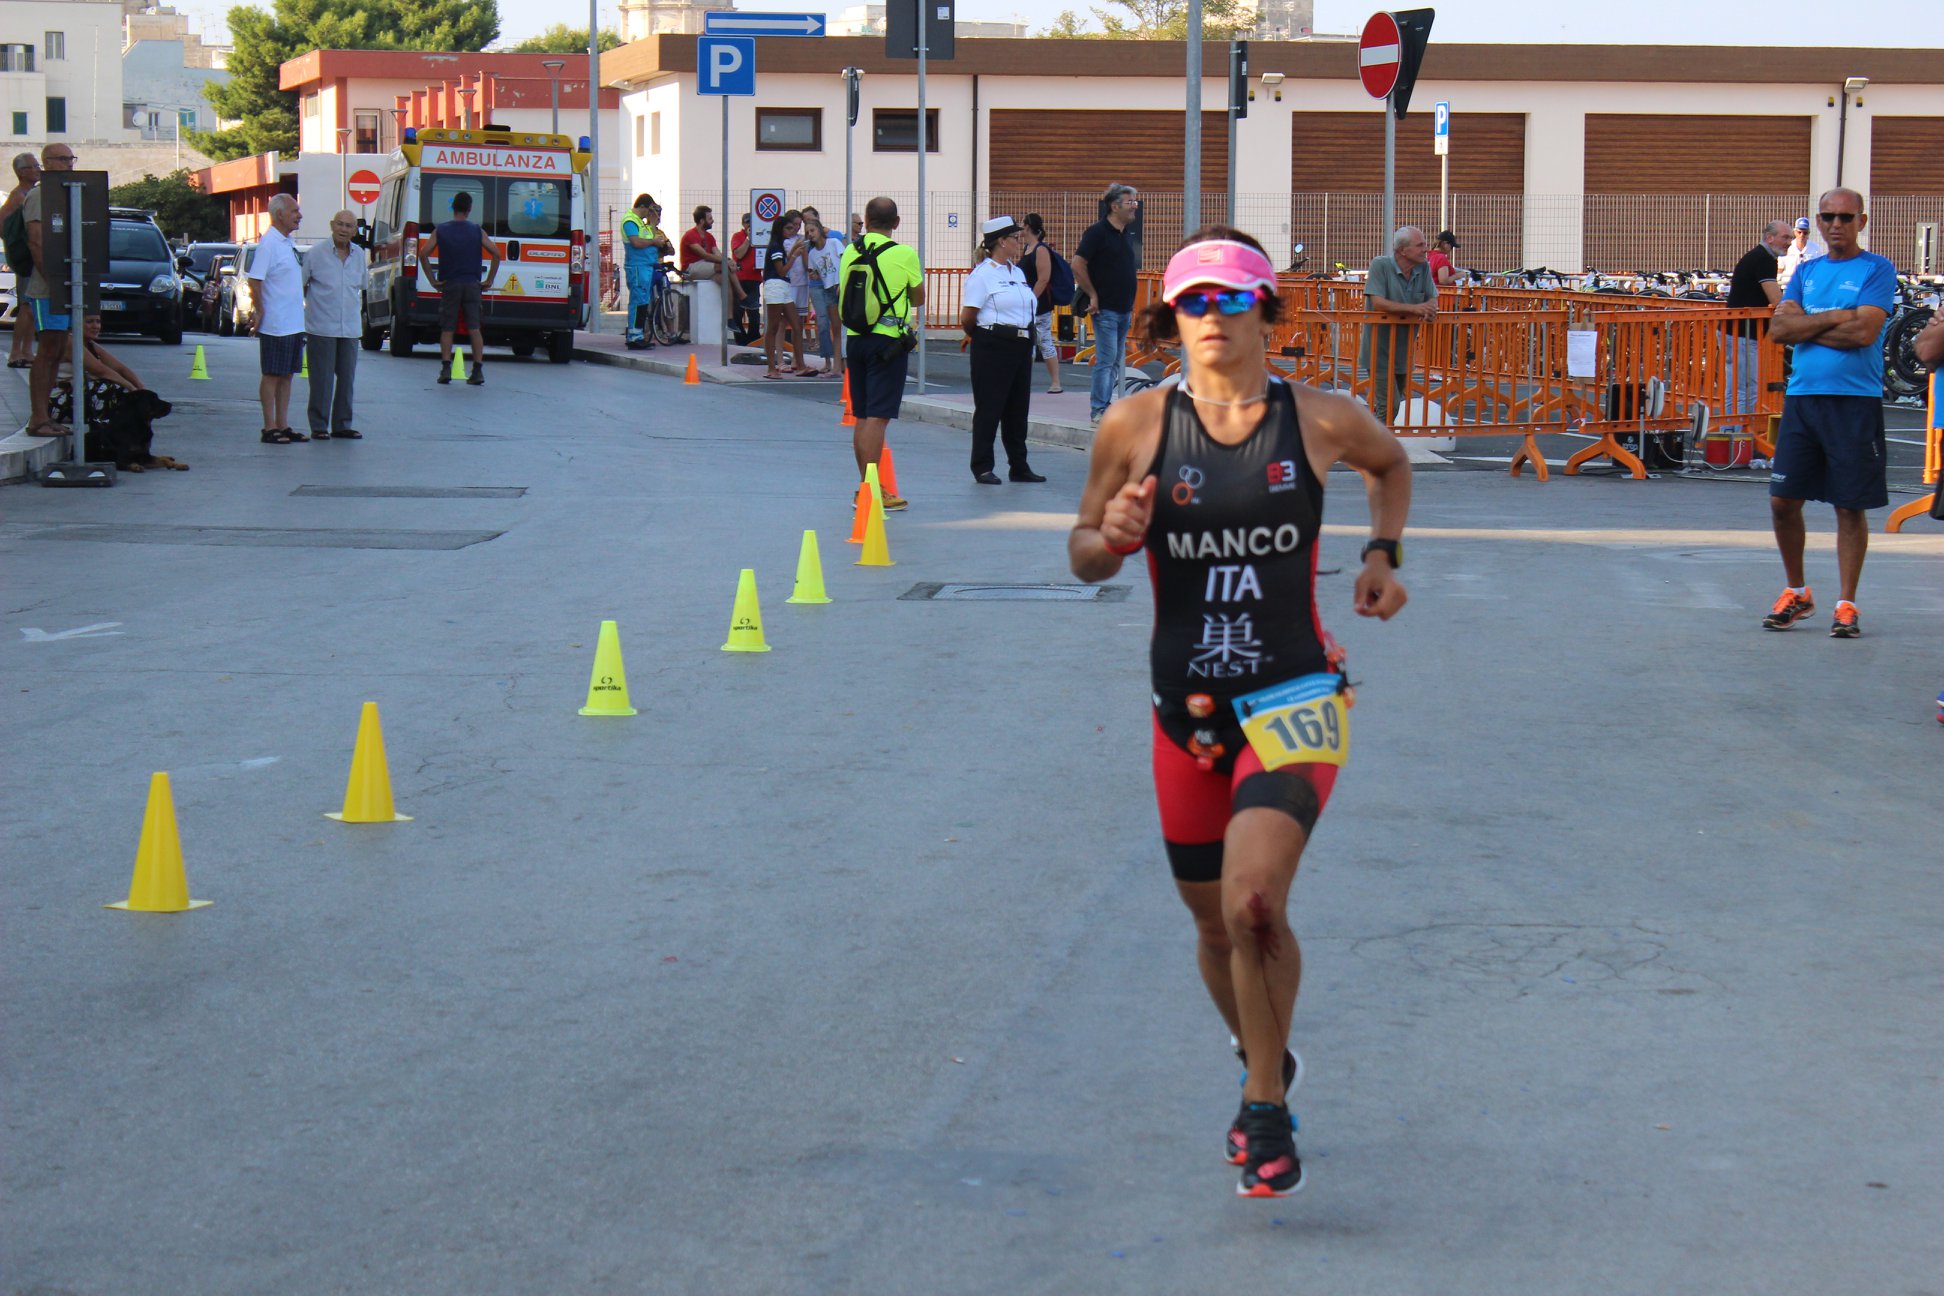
(821, 265)
(998, 317)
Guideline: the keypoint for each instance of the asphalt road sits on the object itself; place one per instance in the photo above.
(854, 967)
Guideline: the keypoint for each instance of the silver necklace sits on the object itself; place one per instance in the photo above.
(1257, 399)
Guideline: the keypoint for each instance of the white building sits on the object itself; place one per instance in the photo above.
(60, 73)
(1618, 157)
(868, 20)
(162, 92)
(644, 18)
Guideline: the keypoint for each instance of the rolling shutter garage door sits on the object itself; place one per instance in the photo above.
(1057, 162)
(1337, 184)
(1906, 187)
(1703, 163)
(1343, 152)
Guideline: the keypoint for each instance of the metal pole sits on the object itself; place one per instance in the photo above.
(594, 163)
(726, 274)
(1444, 192)
(1390, 173)
(924, 141)
(1191, 141)
(1234, 52)
(851, 76)
(77, 321)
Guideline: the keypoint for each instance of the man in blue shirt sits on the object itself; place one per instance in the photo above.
(1830, 447)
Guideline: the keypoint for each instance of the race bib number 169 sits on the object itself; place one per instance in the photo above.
(1301, 722)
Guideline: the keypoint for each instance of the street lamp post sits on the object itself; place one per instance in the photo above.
(852, 75)
(344, 184)
(553, 67)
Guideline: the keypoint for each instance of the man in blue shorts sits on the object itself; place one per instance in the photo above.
(1830, 447)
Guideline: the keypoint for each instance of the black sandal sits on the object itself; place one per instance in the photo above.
(276, 436)
(320, 436)
(292, 434)
(347, 434)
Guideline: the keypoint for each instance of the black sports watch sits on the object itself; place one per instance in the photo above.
(1391, 549)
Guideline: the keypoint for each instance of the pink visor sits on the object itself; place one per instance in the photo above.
(1219, 263)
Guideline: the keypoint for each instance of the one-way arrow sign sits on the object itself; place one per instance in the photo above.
(729, 23)
(34, 634)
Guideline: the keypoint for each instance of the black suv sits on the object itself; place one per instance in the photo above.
(141, 293)
(195, 274)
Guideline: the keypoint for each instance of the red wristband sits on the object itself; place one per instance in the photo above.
(1133, 548)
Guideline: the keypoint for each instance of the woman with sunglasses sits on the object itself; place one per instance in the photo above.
(1221, 479)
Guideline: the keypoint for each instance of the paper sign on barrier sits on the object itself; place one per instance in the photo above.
(1582, 353)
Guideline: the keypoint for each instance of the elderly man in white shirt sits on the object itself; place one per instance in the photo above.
(277, 318)
(334, 283)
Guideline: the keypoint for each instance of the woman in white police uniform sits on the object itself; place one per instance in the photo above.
(998, 317)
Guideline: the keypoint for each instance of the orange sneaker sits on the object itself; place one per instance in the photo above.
(1789, 609)
(1844, 626)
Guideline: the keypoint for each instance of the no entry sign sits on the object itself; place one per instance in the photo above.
(362, 188)
(1380, 54)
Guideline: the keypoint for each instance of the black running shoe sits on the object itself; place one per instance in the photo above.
(478, 376)
(1272, 1168)
(1789, 609)
(1235, 1148)
(445, 376)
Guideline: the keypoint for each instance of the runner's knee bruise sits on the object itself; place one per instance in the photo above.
(1282, 791)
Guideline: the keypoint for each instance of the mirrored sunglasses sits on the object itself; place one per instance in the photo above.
(1230, 301)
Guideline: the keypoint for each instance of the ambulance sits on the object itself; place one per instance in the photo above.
(529, 192)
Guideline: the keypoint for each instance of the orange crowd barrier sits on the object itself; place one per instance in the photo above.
(1933, 461)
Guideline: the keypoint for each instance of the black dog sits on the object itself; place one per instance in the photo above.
(122, 428)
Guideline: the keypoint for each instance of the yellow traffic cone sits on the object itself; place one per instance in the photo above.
(877, 551)
(607, 688)
(159, 884)
(809, 577)
(746, 622)
(199, 369)
(872, 480)
(367, 793)
(458, 366)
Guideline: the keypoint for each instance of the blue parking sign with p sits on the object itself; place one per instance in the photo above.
(725, 65)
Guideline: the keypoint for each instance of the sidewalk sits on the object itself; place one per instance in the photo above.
(1060, 420)
(21, 456)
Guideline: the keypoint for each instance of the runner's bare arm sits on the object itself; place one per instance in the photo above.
(1338, 430)
(1930, 342)
(1115, 505)
(493, 251)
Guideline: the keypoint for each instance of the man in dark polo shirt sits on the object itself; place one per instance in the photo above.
(1754, 284)
(462, 248)
(1103, 267)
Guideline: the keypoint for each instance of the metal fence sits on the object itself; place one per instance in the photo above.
(1568, 232)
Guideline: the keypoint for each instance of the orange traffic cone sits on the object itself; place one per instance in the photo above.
(861, 519)
(887, 471)
(849, 419)
(693, 378)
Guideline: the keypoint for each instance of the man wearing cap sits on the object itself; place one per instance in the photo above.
(1806, 247)
(1399, 284)
(1444, 271)
(997, 316)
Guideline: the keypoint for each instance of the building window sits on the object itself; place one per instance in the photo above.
(641, 127)
(20, 123)
(56, 46)
(56, 116)
(365, 138)
(895, 130)
(16, 58)
(789, 130)
(654, 132)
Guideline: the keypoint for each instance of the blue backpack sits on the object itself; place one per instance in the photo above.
(1059, 286)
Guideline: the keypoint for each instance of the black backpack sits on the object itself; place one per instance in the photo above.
(20, 257)
(1059, 284)
(864, 297)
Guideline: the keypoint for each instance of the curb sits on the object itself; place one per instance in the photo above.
(1068, 433)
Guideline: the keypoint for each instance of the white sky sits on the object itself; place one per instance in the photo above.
(1902, 24)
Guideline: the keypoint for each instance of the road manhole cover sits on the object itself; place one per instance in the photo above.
(412, 492)
(1013, 592)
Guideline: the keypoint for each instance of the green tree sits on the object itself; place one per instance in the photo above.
(1067, 27)
(562, 39)
(267, 115)
(182, 210)
(1168, 20)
